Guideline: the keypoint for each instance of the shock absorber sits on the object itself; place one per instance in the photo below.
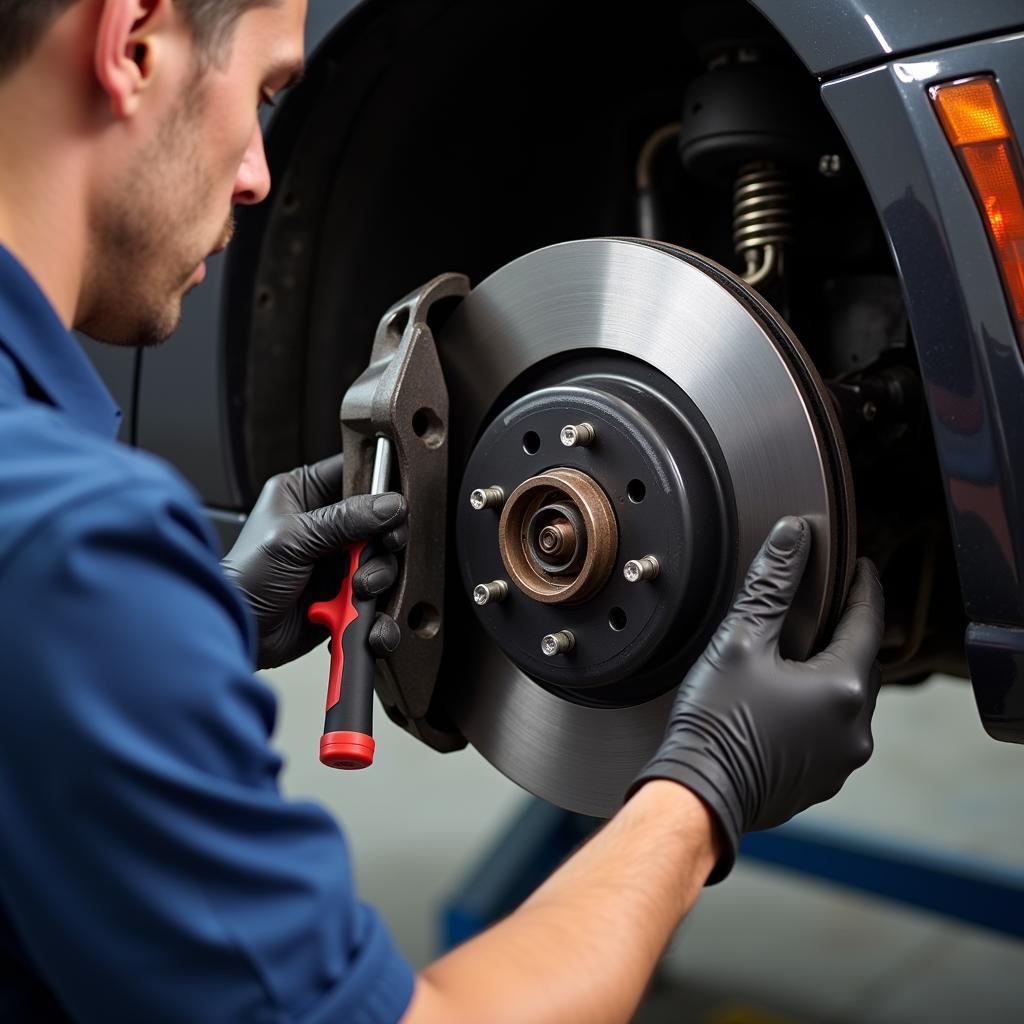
(763, 220)
(752, 120)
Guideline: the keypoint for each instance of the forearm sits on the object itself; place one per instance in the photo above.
(584, 946)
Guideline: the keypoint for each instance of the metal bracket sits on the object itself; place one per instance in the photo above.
(402, 396)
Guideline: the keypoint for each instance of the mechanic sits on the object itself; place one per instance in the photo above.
(150, 869)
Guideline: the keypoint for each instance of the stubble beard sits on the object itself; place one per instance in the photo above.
(146, 245)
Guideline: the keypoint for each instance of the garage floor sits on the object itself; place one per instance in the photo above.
(764, 948)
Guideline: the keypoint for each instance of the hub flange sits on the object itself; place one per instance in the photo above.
(649, 484)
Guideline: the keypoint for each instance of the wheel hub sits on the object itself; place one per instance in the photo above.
(575, 515)
(558, 536)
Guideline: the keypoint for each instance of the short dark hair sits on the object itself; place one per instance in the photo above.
(23, 23)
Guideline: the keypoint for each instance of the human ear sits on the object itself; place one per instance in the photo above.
(128, 49)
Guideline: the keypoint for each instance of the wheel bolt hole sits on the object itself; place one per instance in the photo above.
(617, 619)
(636, 491)
(531, 442)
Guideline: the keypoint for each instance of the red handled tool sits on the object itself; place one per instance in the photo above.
(347, 741)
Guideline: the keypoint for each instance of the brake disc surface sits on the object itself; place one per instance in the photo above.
(777, 451)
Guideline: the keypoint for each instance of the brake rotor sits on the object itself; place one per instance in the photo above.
(696, 421)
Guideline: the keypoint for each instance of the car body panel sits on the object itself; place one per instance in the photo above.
(967, 346)
(829, 35)
(965, 339)
(996, 656)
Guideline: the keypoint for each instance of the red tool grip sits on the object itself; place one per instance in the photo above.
(347, 741)
(347, 750)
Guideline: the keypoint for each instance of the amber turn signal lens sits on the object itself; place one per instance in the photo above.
(975, 122)
(971, 111)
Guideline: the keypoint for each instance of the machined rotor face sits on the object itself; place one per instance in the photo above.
(631, 421)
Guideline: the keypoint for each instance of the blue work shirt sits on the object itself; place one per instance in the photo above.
(150, 869)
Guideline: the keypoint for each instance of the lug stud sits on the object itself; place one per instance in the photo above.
(579, 435)
(487, 593)
(487, 497)
(561, 642)
(641, 570)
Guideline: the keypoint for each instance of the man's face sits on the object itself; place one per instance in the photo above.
(169, 206)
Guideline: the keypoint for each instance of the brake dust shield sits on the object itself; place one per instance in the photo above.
(709, 424)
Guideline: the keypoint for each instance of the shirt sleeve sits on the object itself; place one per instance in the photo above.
(150, 864)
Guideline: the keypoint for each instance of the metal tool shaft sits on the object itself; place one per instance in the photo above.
(382, 462)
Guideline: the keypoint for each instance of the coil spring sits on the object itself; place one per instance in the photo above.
(764, 218)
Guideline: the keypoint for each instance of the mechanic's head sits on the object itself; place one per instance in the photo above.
(140, 117)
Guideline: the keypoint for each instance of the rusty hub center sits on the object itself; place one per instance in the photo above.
(558, 537)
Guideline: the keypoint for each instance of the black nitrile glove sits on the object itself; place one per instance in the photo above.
(757, 737)
(289, 555)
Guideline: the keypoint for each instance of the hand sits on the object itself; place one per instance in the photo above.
(757, 737)
(288, 556)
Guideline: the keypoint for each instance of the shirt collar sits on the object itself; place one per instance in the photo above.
(32, 333)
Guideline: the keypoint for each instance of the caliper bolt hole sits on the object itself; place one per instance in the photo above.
(424, 620)
(427, 426)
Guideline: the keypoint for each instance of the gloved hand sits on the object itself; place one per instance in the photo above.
(757, 737)
(289, 555)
